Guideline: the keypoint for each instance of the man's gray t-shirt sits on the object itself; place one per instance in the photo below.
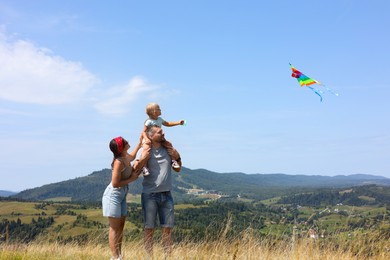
(159, 165)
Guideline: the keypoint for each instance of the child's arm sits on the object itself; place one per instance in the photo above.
(169, 124)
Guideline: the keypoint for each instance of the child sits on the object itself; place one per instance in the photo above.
(154, 112)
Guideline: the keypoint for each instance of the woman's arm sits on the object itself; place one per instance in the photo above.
(117, 181)
(133, 154)
(137, 168)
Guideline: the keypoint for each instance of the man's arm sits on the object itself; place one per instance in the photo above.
(174, 153)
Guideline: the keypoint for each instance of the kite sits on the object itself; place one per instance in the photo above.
(306, 81)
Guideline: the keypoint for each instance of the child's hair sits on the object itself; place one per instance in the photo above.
(150, 108)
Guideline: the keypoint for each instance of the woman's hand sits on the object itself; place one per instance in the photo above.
(137, 168)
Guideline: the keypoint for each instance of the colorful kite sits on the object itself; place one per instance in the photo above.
(306, 81)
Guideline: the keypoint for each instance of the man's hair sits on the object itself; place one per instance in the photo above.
(151, 130)
(150, 108)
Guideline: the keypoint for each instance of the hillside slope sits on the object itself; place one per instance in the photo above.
(256, 186)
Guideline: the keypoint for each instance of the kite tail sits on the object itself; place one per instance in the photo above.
(330, 90)
(317, 92)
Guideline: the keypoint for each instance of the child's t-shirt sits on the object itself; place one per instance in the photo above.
(158, 122)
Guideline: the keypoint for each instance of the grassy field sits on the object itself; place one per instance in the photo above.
(277, 241)
(244, 247)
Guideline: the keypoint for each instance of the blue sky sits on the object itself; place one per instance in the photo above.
(75, 74)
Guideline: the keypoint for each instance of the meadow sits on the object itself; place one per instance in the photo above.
(246, 246)
(80, 232)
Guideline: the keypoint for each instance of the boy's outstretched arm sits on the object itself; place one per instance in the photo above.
(175, 123)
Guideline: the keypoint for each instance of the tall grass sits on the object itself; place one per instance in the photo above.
(246, 246)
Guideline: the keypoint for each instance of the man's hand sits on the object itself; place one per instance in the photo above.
(180, 163)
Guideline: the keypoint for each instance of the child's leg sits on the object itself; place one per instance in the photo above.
(145, 155)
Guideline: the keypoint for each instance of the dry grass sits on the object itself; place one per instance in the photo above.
(373, 246)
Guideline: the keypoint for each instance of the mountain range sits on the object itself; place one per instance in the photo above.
(253, 186)
(6, 193)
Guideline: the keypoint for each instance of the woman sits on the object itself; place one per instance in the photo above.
(114, 197)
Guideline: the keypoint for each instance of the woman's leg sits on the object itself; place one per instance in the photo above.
(115, 235)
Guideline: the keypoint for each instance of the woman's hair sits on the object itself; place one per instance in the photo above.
(116, 146)
(150, 108)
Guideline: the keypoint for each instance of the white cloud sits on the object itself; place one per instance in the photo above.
(118, 98)
(33, 75)
(30, 74)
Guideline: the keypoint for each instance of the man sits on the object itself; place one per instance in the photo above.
(156, 193)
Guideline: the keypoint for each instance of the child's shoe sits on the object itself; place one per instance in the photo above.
(175, 164)
(145, 171)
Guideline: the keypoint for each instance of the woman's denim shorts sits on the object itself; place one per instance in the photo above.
(160, 203)
(114, 201)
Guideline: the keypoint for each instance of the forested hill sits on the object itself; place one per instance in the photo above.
(6, 193)
(255, 186)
